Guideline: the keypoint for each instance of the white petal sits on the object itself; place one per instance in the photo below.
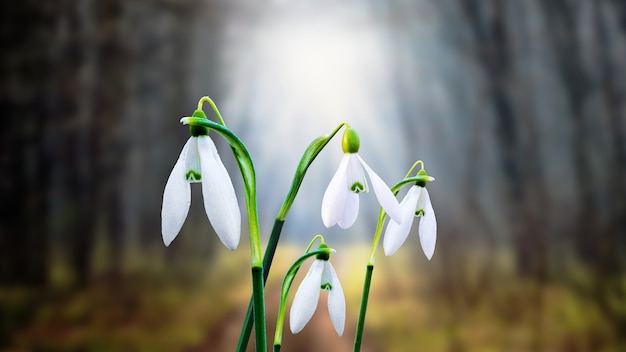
(428, 225)
(350, 211)
(193, 169)
(176, 199)
(334, 201)
(336, 299)
(396, 234)
(384, 194)
(305, 301)
(220, 201)
(356, 177)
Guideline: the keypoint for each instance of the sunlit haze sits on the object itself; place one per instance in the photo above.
(297, 77)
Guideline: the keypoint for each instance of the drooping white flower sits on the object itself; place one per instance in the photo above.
(340, 204)
(199, 162)
(416, 203)
(321, 276)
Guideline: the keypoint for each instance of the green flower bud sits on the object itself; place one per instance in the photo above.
(350, 142)
(198, 130)
(323, 256)
(422, 172)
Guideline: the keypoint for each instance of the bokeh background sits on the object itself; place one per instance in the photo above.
(518, 108)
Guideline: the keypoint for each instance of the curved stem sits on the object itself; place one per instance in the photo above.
(244, 161)
(315, 238)
(377, 235)
(309, 155)
(413, 167)
(206, 99)
(284, 292)
(370, 264)
(314, 148)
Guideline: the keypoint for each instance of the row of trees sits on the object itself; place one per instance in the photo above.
(533, 109)
(543, 136)
(79, 77)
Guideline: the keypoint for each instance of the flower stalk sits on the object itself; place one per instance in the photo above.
(421, 178)
(246, 166)
(309, 155)
(199, 162)
(322, 253)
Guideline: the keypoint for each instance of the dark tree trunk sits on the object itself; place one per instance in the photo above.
(561, 15)
(80, 150)
(612, 244)
(615, 241)
(109, 103)
(25, 96)
(488, 21)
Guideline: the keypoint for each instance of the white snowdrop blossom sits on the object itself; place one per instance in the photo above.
(416, 203)
(199, 162)
(321, 276)
(340, 204)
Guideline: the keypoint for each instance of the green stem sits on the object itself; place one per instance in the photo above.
(413, 167)
(316, 146)
(244, 161)
(246, 329)
(213, 106)
(284, 292)
(364, 299)
(259, 308)
(309, 155)
(370, 264)
(377, 235)
(358, 336)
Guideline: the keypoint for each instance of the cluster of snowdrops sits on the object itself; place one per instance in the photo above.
(199, 162)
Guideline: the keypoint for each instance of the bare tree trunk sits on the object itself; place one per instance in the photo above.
(109, 103)
(25, 95)
(567, 54)
(162, 63)
(488, 21)
(614, 246)
(81, 181)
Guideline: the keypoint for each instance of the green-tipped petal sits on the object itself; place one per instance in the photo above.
(357, 183)
(220, 201)
(176, 198)
(305, 301)
(428, 225)
(193, 169)
(396, 234)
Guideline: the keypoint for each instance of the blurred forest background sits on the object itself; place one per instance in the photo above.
(518, 109)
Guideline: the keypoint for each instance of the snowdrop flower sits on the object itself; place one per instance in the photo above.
(340, 204)
(416, 203)
(321, 276)
(199, 162)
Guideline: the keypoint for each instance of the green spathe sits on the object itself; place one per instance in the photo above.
(350, 141)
